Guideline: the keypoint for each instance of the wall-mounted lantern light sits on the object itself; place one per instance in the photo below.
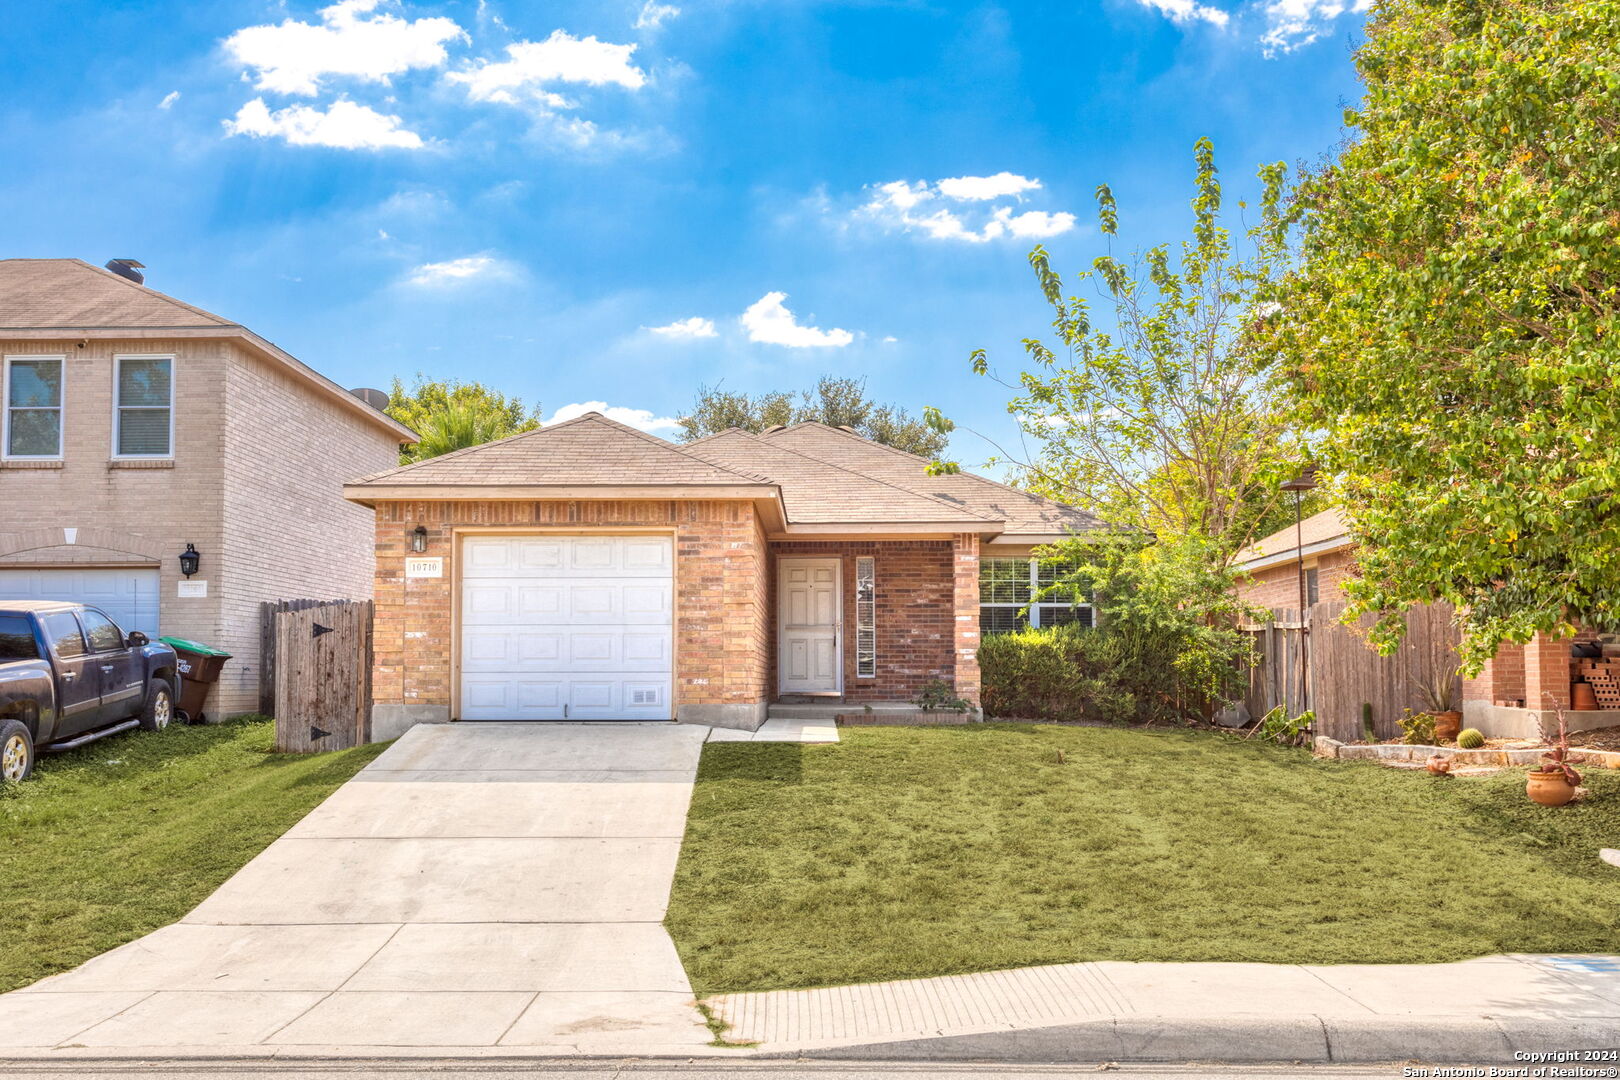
(189, 560)
(419, 539)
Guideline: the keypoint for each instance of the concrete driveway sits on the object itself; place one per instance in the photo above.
(478, 885)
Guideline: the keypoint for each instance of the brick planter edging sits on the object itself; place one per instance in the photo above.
(1332, 748)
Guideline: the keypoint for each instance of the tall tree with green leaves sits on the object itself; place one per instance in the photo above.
(452, 415)
(1161, 416)
(840, 402)
(1454, 328)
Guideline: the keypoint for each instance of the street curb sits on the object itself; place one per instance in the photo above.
(1245, 1040)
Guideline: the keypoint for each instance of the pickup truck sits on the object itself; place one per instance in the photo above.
(69, 675)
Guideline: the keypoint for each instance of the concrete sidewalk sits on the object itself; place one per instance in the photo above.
(1476, 1011)
(476, 885)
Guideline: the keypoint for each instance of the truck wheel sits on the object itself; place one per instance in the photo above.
(159, 709)
(16, 751)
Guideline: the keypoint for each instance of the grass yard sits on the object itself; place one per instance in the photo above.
(907, 852)
(114, 840)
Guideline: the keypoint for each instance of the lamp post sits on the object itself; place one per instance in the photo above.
(1299, 485)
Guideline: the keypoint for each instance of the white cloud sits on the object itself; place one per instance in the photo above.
(1293, 24)
(641, 419)
(561, 58)
(345, 125)
(458, 271)
(986, 187)
(169, 99)
(769, 322)
(654, 14)
(1186, 11)
(914, 206)
(695, 327)
(293, 57)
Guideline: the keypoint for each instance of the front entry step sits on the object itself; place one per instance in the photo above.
(827, 710)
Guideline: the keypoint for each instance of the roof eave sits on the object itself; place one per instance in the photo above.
(371, 494)
(1293, 554)
(231, 331)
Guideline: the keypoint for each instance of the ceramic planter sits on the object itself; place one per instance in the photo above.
(1549, 788)
(1447, 724)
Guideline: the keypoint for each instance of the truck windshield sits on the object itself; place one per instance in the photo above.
(16, 639)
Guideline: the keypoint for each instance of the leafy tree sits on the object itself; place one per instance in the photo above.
(1454, 328)
(841, 402)
(451, 415)
(1164, 420)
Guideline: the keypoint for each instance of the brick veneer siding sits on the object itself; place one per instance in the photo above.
(255, 482)
(913, 590)
(1502, 678)
(721, 622)
(1278, 586)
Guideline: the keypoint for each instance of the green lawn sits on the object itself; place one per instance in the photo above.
(114, 840)
(906, 852)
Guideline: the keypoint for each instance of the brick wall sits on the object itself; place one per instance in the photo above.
(914, 592)
(1278, 586)
(289, 533)
(128, 513)
(722, 624)
(255, 483)
(965, 586)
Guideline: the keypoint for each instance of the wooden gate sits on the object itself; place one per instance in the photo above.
(1342, 672)
(323, 676)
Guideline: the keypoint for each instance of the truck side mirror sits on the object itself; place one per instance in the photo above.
(137, 639)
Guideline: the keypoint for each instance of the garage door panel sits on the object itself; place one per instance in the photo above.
(576, 628)
(129, 596)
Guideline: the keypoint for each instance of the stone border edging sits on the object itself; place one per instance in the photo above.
(1326, 747)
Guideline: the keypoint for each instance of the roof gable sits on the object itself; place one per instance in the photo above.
(1318, 529)
(70, 294)
(819, 491)
(589, 450)
(973, 495)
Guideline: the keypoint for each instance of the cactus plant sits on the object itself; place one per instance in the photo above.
(1470, 739)
(1368, 731)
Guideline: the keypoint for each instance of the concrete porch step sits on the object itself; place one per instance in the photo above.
(827, 709)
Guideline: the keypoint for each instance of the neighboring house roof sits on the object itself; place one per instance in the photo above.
(814, 479)
(814, 490)
(588, 451)
(1024, 514)
(1318, 533)
(48, 299)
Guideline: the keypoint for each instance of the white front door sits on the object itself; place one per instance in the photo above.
(567, 628)
(809, 605)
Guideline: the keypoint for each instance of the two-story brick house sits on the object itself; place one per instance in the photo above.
(133, 425)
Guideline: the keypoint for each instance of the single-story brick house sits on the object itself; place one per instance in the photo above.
(589, 570)
(1270, 567)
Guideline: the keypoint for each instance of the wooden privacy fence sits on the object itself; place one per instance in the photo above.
(323, 675)
(1342, 672)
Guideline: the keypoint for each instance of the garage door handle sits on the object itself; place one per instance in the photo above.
(69, 676)
(106, 667)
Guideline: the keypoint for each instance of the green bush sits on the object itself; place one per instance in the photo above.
(1074, 673)
(1417, 728)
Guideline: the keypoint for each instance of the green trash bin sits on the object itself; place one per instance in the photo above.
(200, 666)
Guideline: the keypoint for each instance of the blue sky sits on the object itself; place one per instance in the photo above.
(617, 201)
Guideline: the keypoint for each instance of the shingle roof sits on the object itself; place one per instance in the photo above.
(586, 451)
(973, 495)
(1316, 529)
(814, 490)
(42, 294)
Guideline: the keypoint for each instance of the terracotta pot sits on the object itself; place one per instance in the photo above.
(1548, 788)
(1438, 765)
(1582, 699)
(1447, 724)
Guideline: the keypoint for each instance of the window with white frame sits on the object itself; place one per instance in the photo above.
(33, 413)
(143, 407)
(1008, 589)
(865, 617)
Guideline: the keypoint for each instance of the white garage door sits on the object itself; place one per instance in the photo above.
(567, 628)
(129, 597)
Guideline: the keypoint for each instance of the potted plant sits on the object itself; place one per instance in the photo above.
(1553, 782)
(1438, 691)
